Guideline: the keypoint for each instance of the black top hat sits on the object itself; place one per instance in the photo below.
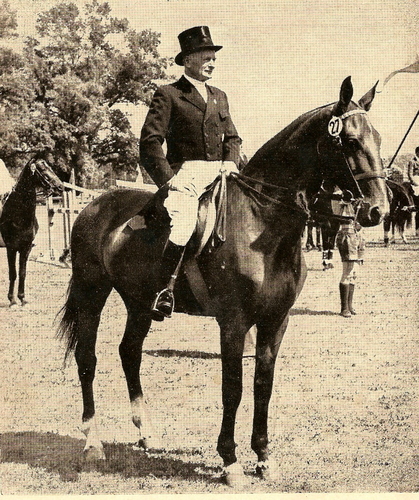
(194, 40)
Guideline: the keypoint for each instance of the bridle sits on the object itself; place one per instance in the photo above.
(335, 127)
(46, 186)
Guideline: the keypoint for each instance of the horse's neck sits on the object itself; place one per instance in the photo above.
(22, 200)
(290, 159)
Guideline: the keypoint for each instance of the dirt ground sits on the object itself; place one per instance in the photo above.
(343, 418)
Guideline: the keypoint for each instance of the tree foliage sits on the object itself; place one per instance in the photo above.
(62, 95)
(8, 20)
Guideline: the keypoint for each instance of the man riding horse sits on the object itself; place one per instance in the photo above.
(202, 141)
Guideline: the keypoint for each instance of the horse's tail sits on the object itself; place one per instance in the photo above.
(67, 327)
(403, 220)
(81, 312)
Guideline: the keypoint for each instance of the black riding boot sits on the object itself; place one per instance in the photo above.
(344, 298)
(350, 298)
(164, 302)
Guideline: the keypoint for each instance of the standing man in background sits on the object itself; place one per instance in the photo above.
(413, 176)
(193, 119)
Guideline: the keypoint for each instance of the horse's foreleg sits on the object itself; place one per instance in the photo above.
(268, 341)
(130, 351)
(23, 261)
(232, 345)
(309, 241)
(386, 229)
(319, 244)
(11, 261)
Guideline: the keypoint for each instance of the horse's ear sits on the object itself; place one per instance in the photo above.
(366, 101)
(346, 93)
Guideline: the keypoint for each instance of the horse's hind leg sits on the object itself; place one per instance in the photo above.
(11, 261)
(85, 304)
(400, 227)
(130, 351)
(268, 342)
(23, 261)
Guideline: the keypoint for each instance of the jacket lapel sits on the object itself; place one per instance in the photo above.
(190, 93)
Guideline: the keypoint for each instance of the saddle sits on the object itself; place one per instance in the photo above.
(209, 234)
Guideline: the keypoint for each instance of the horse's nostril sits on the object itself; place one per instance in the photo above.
(375, 215)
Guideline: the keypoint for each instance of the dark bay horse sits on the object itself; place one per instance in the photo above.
(18, 223)
(253, 278)
(400, 214)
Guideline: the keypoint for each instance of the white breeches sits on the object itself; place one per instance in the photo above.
(183, 199)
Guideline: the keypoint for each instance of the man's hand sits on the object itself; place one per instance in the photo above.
(176, 184)
(228, 167)
(347, 196)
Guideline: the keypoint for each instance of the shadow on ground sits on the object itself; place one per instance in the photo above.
(172, 353)
(302, 311)
(63, 455)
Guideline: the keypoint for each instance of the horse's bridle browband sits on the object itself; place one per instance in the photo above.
(353, 112)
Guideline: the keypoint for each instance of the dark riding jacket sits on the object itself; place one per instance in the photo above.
(413, 170)
(192, 129)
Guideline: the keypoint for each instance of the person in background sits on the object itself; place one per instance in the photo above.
(194, 121)
(351, 246)
(413, 176)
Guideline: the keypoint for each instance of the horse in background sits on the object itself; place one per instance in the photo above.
(18, 223)
(326, 225)
(253, 277)
(401, 211)
(313, 227)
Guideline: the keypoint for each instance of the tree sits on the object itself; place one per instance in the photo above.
(8, 20)
(64, 96)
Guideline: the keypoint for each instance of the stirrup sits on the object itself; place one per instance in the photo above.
(163, 304)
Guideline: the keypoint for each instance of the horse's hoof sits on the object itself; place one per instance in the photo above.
(94, 453)
(148, 443)
(24, 302)
(268, 470)
(12, 304)
(346, 313)
(234, 476)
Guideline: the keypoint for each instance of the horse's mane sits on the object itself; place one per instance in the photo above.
(285, 135)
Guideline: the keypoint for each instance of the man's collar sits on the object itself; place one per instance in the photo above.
(194, 82)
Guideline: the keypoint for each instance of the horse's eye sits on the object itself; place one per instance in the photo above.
(352, 145)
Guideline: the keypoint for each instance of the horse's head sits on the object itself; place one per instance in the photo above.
(350, 155)
(47, 181)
